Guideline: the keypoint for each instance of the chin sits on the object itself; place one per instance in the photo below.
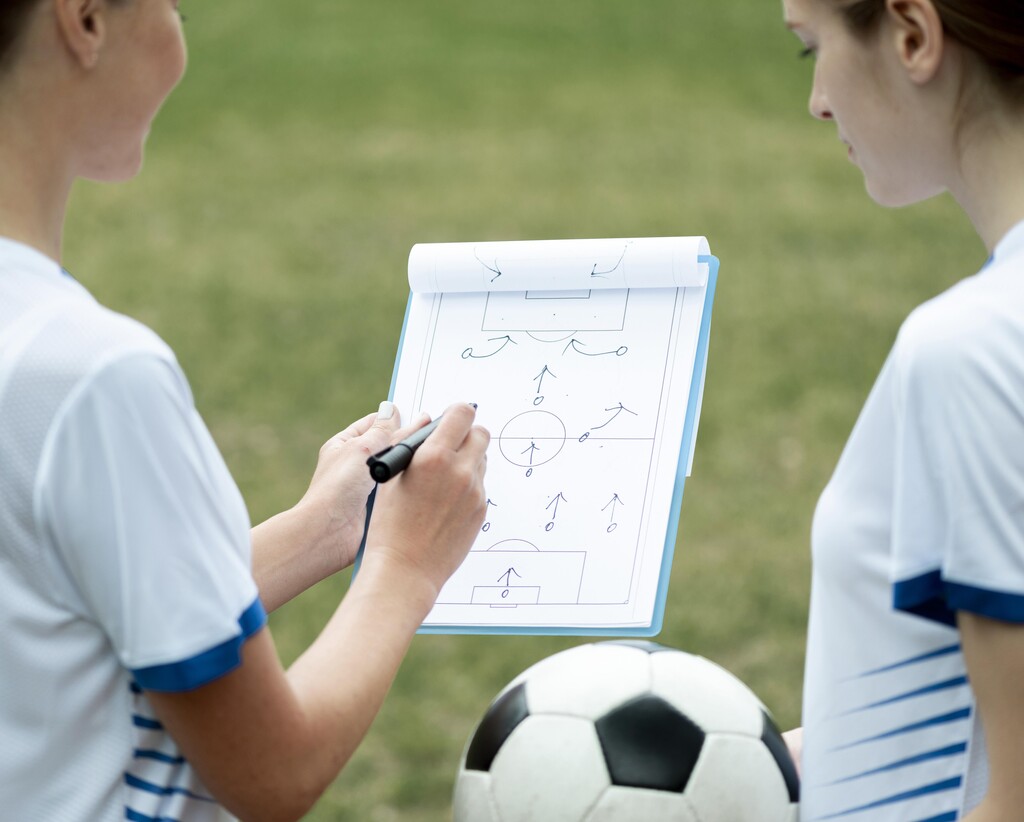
(115, 168)
(895, 193)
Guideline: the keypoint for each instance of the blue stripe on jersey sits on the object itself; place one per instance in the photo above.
(142, 753)
(952, 816)
(924, 790)
(146, 722)
(949, 649)
(932, 597)
(955, 716)
(955, 682)
(135, 816)
(163, 790)
(207, 666)
(952, 750)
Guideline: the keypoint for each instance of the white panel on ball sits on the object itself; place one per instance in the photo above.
(737, 780)
(707, 693)
(551, 768)
(473, 798)
(589, 681)
(639, 805)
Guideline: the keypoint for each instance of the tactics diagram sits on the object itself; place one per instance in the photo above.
(577, 389)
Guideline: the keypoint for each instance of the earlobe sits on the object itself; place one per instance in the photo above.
(919, 38)
(82, 28)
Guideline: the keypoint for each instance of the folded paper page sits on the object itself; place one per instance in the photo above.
(586, 360)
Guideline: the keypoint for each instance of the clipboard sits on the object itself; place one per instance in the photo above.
(587, 361)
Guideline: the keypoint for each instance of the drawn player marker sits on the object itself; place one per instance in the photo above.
(612, 524)
(487, 524)
(548, 576)
(532, 438)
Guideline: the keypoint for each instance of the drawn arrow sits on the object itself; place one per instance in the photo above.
(494, 268)
(617, 411)
(492, 503)
(574, 344)
(468, 353)
(613, 502)
(533, 447)
(555, 503)
(540, 377)
(507, 576)
(595, 273)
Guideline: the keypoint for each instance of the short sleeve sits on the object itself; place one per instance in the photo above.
(149, 525)
(958, 518)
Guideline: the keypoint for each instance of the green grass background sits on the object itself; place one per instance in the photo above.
(313, 143)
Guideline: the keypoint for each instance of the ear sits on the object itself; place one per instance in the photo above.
(918, 36)
(81, 24)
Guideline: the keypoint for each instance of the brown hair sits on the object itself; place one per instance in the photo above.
(12, 22)
(992, 29)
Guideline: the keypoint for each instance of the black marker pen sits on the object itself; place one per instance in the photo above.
(385, 464)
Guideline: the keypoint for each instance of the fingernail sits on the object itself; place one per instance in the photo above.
(386, 410)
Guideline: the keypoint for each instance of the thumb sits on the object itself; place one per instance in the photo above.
(386, 423)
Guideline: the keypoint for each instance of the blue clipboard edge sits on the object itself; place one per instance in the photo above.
(671, 532)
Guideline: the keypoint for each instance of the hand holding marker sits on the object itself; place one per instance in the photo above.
(395, 458)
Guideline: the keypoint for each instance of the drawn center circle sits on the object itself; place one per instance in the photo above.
(532, 438)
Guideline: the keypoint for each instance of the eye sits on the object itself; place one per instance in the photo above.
(804, 53)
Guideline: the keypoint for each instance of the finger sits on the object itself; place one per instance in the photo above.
(355, 429)
(416, 425)
(454, 427)
(477, 440)
(380, 434)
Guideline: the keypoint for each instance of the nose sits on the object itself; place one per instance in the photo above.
(818, 103)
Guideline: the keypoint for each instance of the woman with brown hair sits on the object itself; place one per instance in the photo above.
(138, 679)
(913, 700)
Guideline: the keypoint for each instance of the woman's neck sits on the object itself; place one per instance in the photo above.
(990, 183)
(33, 199)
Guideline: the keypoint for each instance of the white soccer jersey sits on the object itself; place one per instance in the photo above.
(124, 557)
(924, 516)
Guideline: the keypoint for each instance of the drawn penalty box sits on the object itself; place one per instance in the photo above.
(570, 311)
(516, 577)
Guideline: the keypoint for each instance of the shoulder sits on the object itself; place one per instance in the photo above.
(67, 352)
(972, 332)
(86, 340)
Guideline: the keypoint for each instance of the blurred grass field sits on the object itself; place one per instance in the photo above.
(312, 144)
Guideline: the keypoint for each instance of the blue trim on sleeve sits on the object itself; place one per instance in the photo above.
(932, 597)
(207, 666)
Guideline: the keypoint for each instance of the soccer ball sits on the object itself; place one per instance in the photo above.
(626, 730)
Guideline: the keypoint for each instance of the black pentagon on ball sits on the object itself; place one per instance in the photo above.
(780, 753)
(648, 744)
(505, 713)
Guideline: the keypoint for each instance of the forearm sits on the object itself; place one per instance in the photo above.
(290, 553)
(343, 678)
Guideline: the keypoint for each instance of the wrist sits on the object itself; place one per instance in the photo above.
(331, 539)
(384, 567)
